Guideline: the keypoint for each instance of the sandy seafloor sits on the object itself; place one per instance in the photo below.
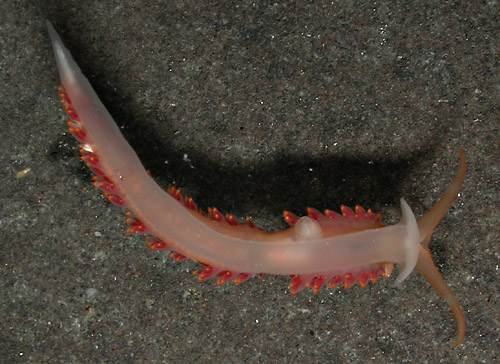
(254, 108)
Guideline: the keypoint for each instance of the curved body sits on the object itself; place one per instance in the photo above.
(320, 248)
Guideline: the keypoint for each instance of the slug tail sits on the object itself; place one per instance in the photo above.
(426, 266)
(429, 221)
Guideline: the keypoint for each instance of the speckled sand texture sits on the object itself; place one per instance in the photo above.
(254, 109)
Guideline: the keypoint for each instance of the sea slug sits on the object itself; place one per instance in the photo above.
(316, 250)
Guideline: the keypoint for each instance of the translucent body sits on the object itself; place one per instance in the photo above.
(304, 249)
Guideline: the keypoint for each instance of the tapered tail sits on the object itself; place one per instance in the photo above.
(429, 221)
(425, 265)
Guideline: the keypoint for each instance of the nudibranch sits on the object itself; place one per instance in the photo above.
(316, 250)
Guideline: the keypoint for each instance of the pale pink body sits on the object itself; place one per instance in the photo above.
(314, 249)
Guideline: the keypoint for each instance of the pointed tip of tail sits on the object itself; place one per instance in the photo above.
(431, 219)
(427, 267)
